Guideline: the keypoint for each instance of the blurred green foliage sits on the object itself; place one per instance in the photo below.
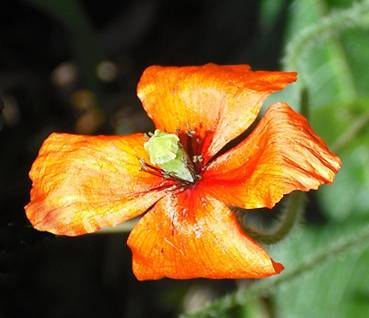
(347, 199)
(335, 75)
(333, 68)
(338, 288)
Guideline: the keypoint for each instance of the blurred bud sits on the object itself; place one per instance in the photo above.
(90, 119)
(197, 297)
(10, 110)
(89, 122)
(127, 121)
(64, 75)
(107, 71)
(84, 99)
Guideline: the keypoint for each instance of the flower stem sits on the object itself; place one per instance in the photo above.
(327, 27)
(340, 20)
(294, 207)
(292, 212)
(359, 242)
(305, 109)
(351, 132)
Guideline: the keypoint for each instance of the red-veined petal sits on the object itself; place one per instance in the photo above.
(189, 235)
(281, 155)
(217, 102)
(82, 183)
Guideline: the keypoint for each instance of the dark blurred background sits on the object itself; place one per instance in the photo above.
(73, 66)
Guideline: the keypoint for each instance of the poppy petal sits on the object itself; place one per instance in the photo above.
(281, 155)
(189, 235)
(82, 183)
(217, 102)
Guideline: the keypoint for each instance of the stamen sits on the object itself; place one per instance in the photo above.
(191, 133)
(150, 169)
(197, 158)
(161, 173)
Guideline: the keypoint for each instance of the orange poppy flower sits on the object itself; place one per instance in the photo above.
(83, 183)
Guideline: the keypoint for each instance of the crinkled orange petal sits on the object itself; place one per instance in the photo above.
(82, 183)
(281, 155)
(218, 102)
(189, 235)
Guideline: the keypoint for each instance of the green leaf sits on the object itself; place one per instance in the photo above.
(317, 50)
(335, 289)
(356, 45)
(348, 196)
(332, 67)
(319, 68)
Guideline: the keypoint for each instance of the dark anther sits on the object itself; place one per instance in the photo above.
(142, 163)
